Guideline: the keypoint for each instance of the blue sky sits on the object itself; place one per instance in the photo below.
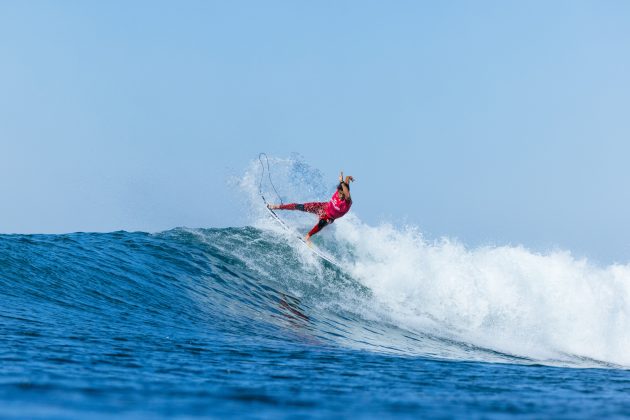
(491, 122)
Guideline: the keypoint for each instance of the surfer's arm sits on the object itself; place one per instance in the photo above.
(346, 191)
(344, 184)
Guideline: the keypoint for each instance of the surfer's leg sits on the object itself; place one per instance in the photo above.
(319, 226)
(316, 208)
(291, 206)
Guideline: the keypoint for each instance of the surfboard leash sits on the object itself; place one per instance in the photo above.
(262, 175)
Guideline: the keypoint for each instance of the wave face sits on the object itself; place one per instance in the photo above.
(394, 293)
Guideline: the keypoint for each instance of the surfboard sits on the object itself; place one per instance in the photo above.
(321, 254)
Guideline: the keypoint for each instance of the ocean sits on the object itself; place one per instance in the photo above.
(247, 323)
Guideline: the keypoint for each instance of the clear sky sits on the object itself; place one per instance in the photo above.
(488, 121)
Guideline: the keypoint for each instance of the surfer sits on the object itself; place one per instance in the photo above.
(328, 211)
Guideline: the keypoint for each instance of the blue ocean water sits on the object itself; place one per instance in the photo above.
(241, 322)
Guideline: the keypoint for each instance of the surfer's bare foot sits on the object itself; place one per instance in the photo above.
(307, 239)
(273, 206)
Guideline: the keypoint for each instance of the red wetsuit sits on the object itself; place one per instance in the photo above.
(326, 211)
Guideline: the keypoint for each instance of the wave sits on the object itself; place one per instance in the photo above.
(395, 291)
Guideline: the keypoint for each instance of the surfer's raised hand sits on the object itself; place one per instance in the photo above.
(348, 178)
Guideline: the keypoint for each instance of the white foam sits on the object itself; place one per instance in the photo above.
(505, 298)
